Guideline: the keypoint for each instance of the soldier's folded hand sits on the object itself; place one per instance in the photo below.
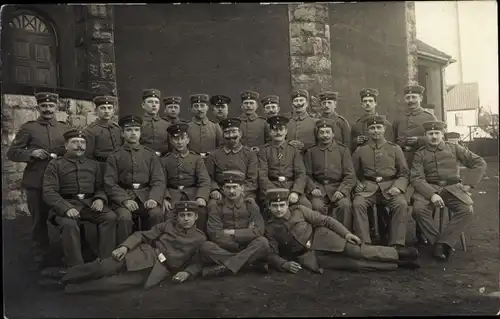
(337, 196)
(359, 187)
(215, 195)
(131, 205)
(293, 197)
(411, 140)
(437, 200)
(255, 149)
(119, 253)
(40, 153)
(228, 231)
(201, 202)
(465, 188)
(353, 239)
(73, 213)
(316, 192)
(394, 191)
(150, 204)
(180, 277)
(292, 266)
(97, 205)
(297, 144)
(361, 139)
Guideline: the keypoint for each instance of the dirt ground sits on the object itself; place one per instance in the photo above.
(454, 288)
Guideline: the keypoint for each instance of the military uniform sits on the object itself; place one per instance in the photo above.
(330, 169)
(103, 137)
(205, 135)
(134, 172)
(76, 182)
(32, 135)
(302, 233)
(380, 165)
(172, 100)
(341, 127)
(143, 265)
(254, 128)
(247, 245)
(359, 128)
(219, 100)
(435, 170)
(241, 158)
(282, 165)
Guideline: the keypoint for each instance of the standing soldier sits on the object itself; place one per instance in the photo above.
(36, 143)
(382, 177)
(331, 175)
(281, 164)
(74, 190)
(435, 174)
(301, 126)
(187, 175)
(270, 105)
(254, 128)
(154, 128)
(359, 133)
(341, 128)
(236, 229)
(232, 156)
(172, 109)
(134, 180)
(220, 107)
(452, 137)
(315, 108)
(103, 135)
(204, 135)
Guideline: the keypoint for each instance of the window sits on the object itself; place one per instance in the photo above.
(30, 50)
(459, 119)
(422, 80)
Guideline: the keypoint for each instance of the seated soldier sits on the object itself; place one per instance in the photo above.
(331, 175)
(235, 228)
(435, 174)
(146, 258)
(382, 174)
(297, 235)
(281, 164)
(73, 189)
(187, 176)
(134, 180)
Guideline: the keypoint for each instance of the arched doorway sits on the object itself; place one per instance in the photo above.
(30, 47)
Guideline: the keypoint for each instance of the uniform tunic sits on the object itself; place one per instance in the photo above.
(342, 129)
(204, 135)
(301, 128)
(254, 130)
(103, 138)
(154, 133)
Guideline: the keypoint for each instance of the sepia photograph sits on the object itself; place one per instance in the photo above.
(261, 159)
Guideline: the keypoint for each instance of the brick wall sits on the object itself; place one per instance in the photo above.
(201, 48)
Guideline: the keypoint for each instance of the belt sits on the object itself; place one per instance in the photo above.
(446, 182)
(76, 196)
(278, 179)
(326, 181)
(100, 158)
(180, 187)
(379, 179)
(133, 186)
(204, 154)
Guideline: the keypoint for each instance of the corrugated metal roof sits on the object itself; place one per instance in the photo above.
(423, 47)
(463, 96)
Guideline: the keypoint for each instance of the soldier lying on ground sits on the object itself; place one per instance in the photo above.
(146, 258)
(297, 235)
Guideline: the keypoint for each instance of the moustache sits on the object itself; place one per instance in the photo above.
(298, 105)
(79, 149)
(231, 138)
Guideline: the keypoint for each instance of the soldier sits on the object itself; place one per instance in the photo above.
(172, 109)
(281, 164)
(134, 180)
(36, 143)
(270, 105)
(187, 174)
(154, 128)
(452, 137)
(74, 190)
(301, 126)
(232, 156)
(235, 228)
(220, 107)
(204, 135)
(146, 258)
(341, 128)
(359, 134)
(315, 107)
(331, 174)
(297, 234)
(103, 135)
(254, 128)
(382, 177)
(435, 175)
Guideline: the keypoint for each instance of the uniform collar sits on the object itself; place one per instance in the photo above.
(280, 145)
(365, 115)
(251, 117)
(52, 121)
(415, 112)
(431, 148)
(284, 218)
(236, 150)
(171, 119)
(149, 117)
(237, 203)
(183, 230)
(204, 121)
(332, 115)
(74, 159)
(374, 145)
(182, 155)
(103, 123)
(129, 147)
(300, 117)
(329, 146)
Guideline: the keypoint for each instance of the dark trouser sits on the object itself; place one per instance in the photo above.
(234, 260)
(71, 239)
(39, 214)
(149, 218)
(103, 275)
(398, 210)
(342, 209)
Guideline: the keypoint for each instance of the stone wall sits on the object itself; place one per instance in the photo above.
(16, 110)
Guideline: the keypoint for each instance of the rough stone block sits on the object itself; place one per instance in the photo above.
(72, 108)
(91, 117)
(301, 80)
(326, 47)
(62, 116)
(20, 101)
(296, 63)
(98, 10)
(84, 107)
(8, 211)
(103, 87)
(100, 53)
(311, 12)
(102, 31)
(13, 195)
(317, 44)
(317, 64)
(78, 121)
(93, 71)
(107, 72)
